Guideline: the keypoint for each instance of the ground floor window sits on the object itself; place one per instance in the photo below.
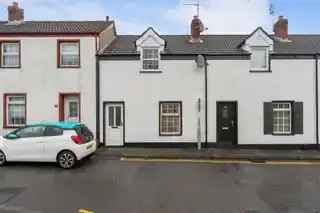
(15, 110)
(170, 118)
(282, 118)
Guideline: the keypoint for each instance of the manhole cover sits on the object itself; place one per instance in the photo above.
(7, 194)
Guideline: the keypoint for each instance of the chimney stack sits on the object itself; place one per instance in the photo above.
(15, 14)
(281, 28)
(196, 29)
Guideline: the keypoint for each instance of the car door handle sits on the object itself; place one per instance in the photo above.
(41, 142)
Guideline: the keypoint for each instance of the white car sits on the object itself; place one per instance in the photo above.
(61, 142)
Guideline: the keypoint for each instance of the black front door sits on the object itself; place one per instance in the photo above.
(227, 123)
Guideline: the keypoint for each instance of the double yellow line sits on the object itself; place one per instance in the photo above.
(200, 161)
(85, 211)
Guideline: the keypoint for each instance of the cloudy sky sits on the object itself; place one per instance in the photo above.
(173, 17)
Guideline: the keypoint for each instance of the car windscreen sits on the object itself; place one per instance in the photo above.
(85, 133)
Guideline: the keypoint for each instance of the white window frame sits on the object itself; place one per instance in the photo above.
(17, 103)
(289, 109)
(150, 59)
(179, 114)
(254, 48)
(3, 54)
(61, 54)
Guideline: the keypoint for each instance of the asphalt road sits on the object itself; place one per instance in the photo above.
(107, 186)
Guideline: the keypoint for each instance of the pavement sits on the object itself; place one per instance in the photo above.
(258, 155)
(102, 185)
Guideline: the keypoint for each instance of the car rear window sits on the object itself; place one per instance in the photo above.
(85, 133)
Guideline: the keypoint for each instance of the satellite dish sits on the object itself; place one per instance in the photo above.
(200, 60)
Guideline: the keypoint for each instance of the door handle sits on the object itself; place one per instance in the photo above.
(41, 142)
(114, 127)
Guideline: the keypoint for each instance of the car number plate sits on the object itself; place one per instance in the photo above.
(89, 147)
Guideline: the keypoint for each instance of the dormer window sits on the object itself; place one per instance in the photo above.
(259, 58)
(150, 45)
(150, 59)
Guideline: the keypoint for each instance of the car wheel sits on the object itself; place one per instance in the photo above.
(2, 158)
(66, 160)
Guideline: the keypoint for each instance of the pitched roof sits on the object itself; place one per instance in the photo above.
(214, 44)
(51, 27)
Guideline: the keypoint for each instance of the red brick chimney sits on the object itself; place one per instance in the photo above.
(15, 14)
(196, 29)
(281, 28)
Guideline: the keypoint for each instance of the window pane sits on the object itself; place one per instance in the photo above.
(28, 132)
(53, 131)
(69, 53)
(85, 134)
(73, 109)
(150, 53)
(118, 116)
(69, 48)
(259, 58)
(282, 118)
(10, 48)
(20, 99)
(16, 110)
(10, 60)
(111, 116)
(150, 64)
(170, 118)
(10, 54)
(70, 60)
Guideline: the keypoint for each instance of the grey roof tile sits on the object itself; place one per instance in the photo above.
(214, 44)
(53, 27)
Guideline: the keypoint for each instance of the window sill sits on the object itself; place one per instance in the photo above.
(12, 127)
(2, 67)
(69, 67)
(170, 135)
(260, 71)
(285, 134)
(151, 71)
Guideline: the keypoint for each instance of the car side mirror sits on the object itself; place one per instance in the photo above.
(11, 136)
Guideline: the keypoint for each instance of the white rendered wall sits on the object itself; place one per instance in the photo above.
(228, 80)
(40, 78)
(180, 80)
(289, 80)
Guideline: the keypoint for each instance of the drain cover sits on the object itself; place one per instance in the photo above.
(7, 194)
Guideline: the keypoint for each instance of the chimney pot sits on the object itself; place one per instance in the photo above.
(15, 14)
(196, 29)
(281, 28)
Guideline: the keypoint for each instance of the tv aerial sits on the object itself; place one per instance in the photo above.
(195, 4)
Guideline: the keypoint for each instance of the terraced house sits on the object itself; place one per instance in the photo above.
(152, 89)
(258, 89)
(47, 69)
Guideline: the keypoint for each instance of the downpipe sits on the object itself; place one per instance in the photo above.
(317, 99)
